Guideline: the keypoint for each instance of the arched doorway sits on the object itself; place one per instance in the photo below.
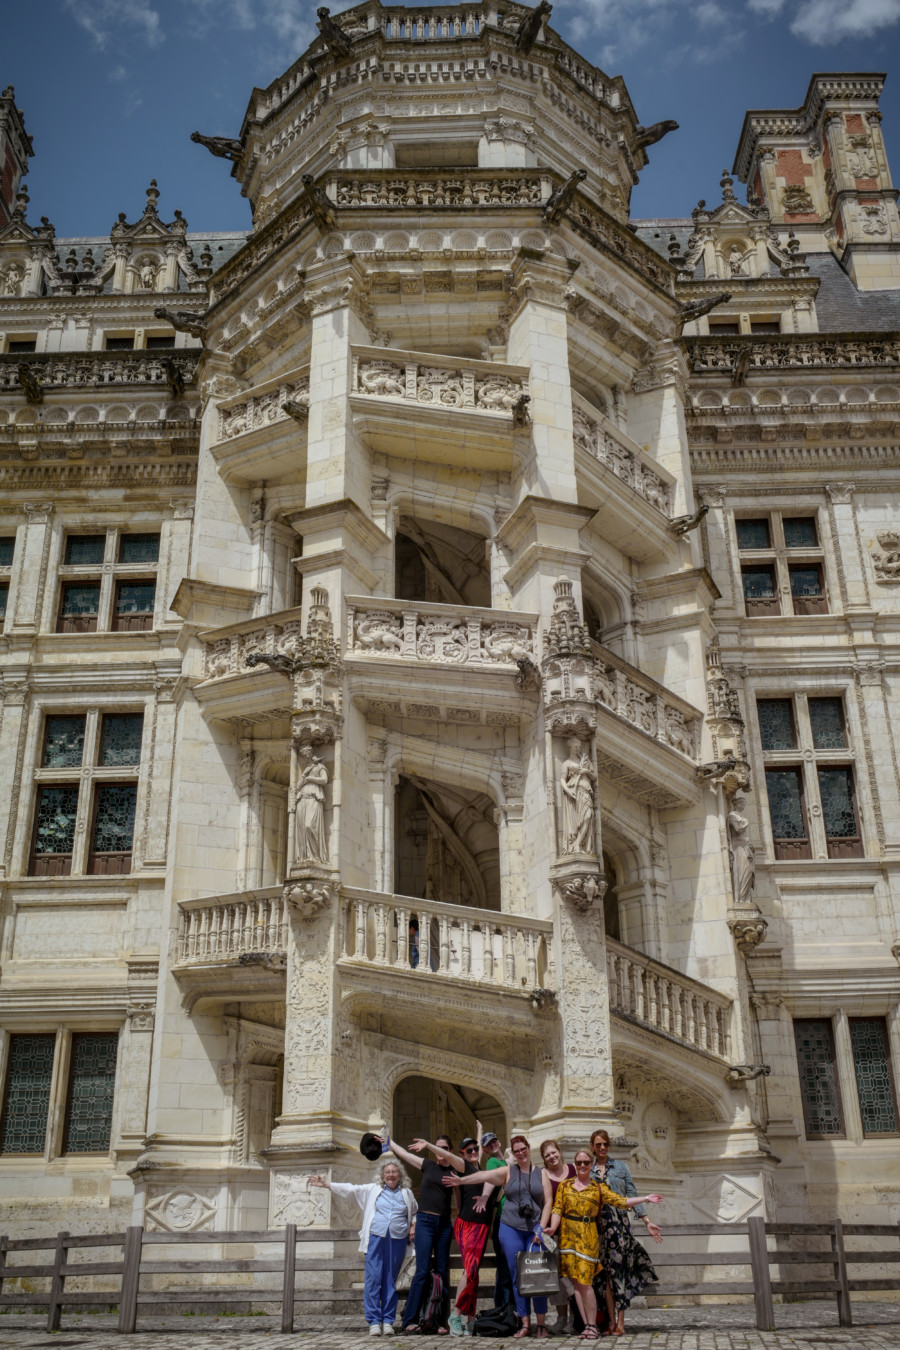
(426, 1107)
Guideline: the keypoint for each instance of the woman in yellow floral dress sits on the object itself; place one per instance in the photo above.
(575, 1213)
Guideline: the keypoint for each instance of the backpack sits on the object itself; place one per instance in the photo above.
(496, 1321)
(432, 1310)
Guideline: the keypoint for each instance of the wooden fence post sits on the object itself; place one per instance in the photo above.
(4, 1247)
(845, 1314)
(290, 1276)
(131, 1274)
(759, 1265)
(58, 1283)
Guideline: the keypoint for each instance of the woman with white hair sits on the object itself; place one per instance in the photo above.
(389, 1223)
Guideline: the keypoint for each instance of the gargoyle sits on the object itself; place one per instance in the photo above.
(336, 40)
(223, 147)
(320, 205)
(299, 411)
(184, 320)
(740, 368)
(695, 309)
(744, 1073)
(530, 27)
(274, 660)
(528, 674)
(174, 377)
(558, 202)
(34, 390)
(684, 524)
(716, 767)
(520, 410)
(644, 136)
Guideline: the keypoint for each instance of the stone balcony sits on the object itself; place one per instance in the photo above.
(414, 405)
(469, 959)
(232, 946)
(657, 998)
(617, 477)
(255, 437)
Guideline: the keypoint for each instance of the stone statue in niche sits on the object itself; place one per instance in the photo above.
(740, 850)
(736, 261)
(310, 813)
(147, 276)
(577, 781)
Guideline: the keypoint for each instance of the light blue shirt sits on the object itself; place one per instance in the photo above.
(391, 1217)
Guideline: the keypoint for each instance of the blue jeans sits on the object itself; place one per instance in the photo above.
(383, 1261)
(433, 1235)
(513, 1242)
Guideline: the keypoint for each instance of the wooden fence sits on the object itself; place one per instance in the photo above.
(144, 1258)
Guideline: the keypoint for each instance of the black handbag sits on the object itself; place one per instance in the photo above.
(497, 1321)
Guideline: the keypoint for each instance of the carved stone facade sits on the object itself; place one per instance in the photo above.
(443, 635)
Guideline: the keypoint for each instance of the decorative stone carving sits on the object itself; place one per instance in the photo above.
(295, 1201)
(601, 442)
(582, 890)
(543, 1000)
(141, 1016)
(748, 933)
(796, 201)
(804, 351)
(181, 1209)
(577, 779)
(740, 851)
(309, 817)
(886, 559)
(738, 1074)
(874, 218)
(290, 399)
(309, 894)
(726, 1200)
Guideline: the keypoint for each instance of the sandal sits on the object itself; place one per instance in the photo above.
(542, 1333)
(590, 1333)
(523, 1331)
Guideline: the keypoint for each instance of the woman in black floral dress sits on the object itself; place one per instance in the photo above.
(626, 1265)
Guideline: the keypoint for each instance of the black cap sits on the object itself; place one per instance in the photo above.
(464, 1143)
(489, 1138)
(370, 1147)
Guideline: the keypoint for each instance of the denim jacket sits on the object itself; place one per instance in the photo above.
(619, 1179)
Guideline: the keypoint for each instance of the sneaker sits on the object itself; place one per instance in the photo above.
(374, 1328)
(468, 1328)
(387, 1328)
(456, 1324)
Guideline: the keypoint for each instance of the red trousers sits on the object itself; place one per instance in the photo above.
(471, 1238)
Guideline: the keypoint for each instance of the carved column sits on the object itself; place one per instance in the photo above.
(849, 563)
(30, 577)
(133, 1087)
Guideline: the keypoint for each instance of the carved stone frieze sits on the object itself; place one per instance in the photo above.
(423, 633)
(601, 441)
(748, 932)
(257, 411)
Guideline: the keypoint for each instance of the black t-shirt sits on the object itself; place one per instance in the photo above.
(469, 1194)
(434, 1196)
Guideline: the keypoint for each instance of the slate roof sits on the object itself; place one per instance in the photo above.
(840, 307)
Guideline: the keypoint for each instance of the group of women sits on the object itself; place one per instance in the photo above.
(582, 1207)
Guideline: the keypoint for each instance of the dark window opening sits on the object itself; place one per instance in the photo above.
(26, 1100)
(753, 533)
(120, 344)
(63, 742)
(765, 326)
(839, 812)
(4, 600)
(776, 723)
(800, 532)
(7, 548)
(85, 550)
(134, 606)
(874, 1076)
(822, 1112)
(139, 548)
(787, 811)
(22, 346)
(89, 1100)
(112, 834)
(120, 739)
(760, 594)
(158, 344)
(79, 606)
(724, 329)
(807, 590)
(54, 830)
(826, 718)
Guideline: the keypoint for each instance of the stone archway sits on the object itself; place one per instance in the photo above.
(426, 1107)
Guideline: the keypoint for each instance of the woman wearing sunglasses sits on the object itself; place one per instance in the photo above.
(576, 1210)
(628, 1267)
(522, 1207)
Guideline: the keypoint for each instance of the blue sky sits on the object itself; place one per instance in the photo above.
(112, 89)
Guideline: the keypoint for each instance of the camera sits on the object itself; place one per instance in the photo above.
(526, 1211)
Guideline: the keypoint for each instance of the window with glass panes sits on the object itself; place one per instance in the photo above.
(823, 1113)
(780, 556)
(809, 764)
(874, 1076)
(7, 549)
(87, 775)
(108, 582)
(84, 1101)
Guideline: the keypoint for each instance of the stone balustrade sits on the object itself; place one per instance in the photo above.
(484, 947)
(262, 406)
(443, 634)
(440, 382)
(792, 351)
(645, 991)
(226, 649)
(638, 699)
(227, 927)
(606, 443)
(437, 188)
(92, 370)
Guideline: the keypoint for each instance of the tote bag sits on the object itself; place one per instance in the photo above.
(537, 1272)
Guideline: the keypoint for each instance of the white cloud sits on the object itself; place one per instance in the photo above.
(768, 8)
(826, 21)
(101, 19)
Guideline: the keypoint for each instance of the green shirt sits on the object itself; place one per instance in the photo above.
(489, 1167)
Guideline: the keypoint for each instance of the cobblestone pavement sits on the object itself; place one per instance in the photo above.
(805, 1326)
